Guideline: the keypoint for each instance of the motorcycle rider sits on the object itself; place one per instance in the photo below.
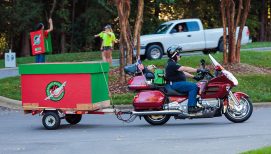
(176, 74)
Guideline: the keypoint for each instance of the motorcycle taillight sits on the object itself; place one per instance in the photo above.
(219, 68)
(138, 83)
(130, 81)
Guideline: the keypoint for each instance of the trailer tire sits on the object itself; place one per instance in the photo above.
(73, 119)
(51, 120)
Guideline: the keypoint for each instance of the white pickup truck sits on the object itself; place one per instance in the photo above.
(192, 38)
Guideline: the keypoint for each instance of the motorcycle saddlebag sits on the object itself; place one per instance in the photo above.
(147, 100)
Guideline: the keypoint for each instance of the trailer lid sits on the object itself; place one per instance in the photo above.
(64, 68)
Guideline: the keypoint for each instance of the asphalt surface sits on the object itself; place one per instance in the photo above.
(105, 134)
(8, 72)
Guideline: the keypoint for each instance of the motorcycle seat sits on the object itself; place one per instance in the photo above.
(171, 92)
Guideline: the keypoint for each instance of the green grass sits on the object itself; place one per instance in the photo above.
(256, 45)
(256, 86)
(193, 61)
(264, 150)
(119, 99)
(66, 57)
(11, 87)
(256, 58)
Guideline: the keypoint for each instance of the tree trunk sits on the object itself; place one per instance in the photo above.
(73, 16)
(123, 8)
(123, 38)
(157, 9)
(52, 9)
(129, 44)
(138, 26)
(269, 22)
(25, 44)
(263, 15)
(225, 52)
(63, 42)
(122, 60)
(228, 15)
(242, 25)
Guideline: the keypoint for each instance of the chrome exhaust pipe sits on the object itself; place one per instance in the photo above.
(163, 112)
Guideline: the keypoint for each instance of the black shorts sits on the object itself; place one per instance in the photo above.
(106, 48)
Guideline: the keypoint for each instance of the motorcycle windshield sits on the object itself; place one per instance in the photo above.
(228, 74)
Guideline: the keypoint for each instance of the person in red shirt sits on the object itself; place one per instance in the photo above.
(40, 58)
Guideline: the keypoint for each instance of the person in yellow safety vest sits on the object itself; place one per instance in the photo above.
(108, 40)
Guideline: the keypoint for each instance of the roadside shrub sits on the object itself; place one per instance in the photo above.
(3, 44)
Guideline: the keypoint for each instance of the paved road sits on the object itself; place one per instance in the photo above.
(104, 134)
(8, 72)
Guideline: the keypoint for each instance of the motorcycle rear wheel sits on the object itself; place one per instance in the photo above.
(157, 119)
(243, 115)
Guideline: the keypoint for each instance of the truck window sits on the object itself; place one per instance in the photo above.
(162, 29)
(176, 29)
(192, 26)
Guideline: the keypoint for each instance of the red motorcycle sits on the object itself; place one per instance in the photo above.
(157, 102)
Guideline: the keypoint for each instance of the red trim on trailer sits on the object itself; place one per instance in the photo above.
(95, 112)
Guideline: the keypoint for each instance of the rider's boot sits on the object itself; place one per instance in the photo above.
(194, 109)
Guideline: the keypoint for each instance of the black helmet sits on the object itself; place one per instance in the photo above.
(174, 51)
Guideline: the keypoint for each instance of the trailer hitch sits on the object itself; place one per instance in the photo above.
(119, 114)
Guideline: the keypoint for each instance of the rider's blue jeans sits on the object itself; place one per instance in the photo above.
(184, 87)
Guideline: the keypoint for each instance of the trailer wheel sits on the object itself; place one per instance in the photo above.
(157, 119)
(51, 120)
(73, 118)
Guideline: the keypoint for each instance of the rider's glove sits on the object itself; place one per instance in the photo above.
(197, 78)
(202, 70)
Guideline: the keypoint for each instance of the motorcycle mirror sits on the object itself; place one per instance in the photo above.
(202, 61)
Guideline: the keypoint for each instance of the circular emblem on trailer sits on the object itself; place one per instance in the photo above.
(37, 39)
(55, 91)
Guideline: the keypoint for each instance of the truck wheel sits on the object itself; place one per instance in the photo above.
(51, 120)
(209, 51)
(73, 118)
(154, 52)
(157, 119)
(221, 45)
(206, 52)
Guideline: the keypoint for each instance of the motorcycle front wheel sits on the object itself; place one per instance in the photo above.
(244, 112)
(157, 119)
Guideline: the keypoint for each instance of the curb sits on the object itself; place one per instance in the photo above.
(257, 49)
(17, 105)
(262, 104)
(10, 103)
